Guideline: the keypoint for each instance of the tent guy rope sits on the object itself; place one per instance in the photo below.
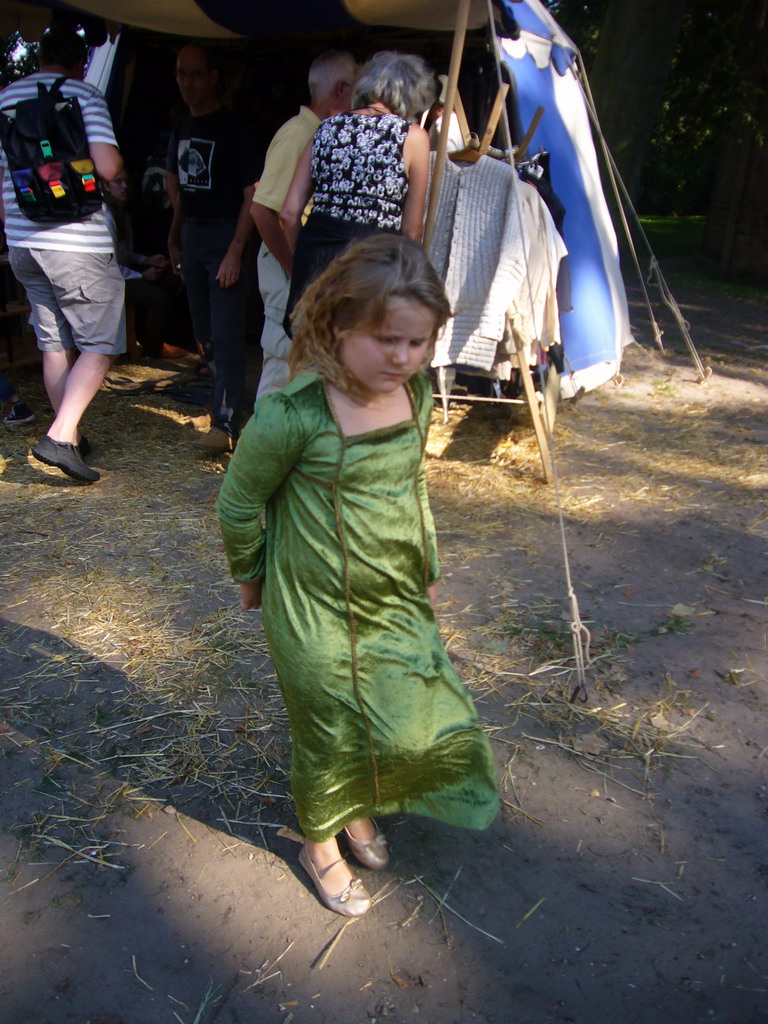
(624, 203)
(579, 633)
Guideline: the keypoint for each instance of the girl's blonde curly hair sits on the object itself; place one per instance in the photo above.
(353, 294)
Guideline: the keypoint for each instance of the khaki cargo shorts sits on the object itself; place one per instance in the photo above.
(77, 299)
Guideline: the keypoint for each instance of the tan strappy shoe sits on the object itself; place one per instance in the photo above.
(372, 853)
(352, 901)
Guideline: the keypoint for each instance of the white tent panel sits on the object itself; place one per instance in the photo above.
(597, 329)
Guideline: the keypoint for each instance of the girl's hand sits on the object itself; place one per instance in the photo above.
(250, 594)
(432, 595)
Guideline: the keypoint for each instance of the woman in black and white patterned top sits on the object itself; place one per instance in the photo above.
(368, 169)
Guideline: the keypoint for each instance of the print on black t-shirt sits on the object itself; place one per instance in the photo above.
(215, 160)
(195, 157)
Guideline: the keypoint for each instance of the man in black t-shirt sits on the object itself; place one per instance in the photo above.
(212, 165)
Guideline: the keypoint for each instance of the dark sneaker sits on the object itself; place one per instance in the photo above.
(85, 446)
(20, 413)
(65, 457)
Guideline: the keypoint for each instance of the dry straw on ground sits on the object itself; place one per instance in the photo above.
(142, 666)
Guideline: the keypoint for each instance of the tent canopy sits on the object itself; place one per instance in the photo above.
(227, 18)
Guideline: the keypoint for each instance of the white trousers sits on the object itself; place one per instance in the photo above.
(274, 285)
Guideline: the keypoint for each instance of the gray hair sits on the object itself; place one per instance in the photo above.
(329, 68)
(401, 81)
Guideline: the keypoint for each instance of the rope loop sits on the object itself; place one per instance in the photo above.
(581, 642)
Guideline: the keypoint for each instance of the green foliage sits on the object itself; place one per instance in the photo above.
(17, 58)
(708, 90)
(581, 19)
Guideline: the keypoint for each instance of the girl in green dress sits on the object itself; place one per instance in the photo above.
(346, 567)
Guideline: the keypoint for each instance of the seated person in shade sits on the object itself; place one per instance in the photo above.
(149, 283)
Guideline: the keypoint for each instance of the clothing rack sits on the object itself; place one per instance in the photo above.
(471, 154)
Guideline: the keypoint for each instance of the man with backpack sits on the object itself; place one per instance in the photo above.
(60, 251)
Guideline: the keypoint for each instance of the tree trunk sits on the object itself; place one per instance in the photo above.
(635, 51)
(736, 234)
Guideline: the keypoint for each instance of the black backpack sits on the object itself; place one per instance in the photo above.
(46, 148)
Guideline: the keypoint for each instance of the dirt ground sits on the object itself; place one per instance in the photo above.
(148, 865)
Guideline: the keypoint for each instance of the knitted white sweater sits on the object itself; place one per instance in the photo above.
(478, 248)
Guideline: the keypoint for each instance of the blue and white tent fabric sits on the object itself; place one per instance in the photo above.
(594, 333)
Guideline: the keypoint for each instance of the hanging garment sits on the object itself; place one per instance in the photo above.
(478, 248)
(534, 311)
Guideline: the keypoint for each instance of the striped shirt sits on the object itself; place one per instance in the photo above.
(89, 235)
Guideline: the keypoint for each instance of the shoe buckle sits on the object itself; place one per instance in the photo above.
(344, 896)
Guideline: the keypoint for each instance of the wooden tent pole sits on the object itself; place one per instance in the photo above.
(462, 20)
(533, 406)
(522, 149)
(493, 119)
(539, 423)
(498, 58)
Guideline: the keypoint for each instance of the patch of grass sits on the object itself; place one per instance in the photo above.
(674, 236)
(610, 640)
(663, 389)
(674, 624)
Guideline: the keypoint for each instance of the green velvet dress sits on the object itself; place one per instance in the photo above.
(380, 722)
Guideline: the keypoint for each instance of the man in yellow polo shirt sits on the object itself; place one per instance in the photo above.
(331, 80)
